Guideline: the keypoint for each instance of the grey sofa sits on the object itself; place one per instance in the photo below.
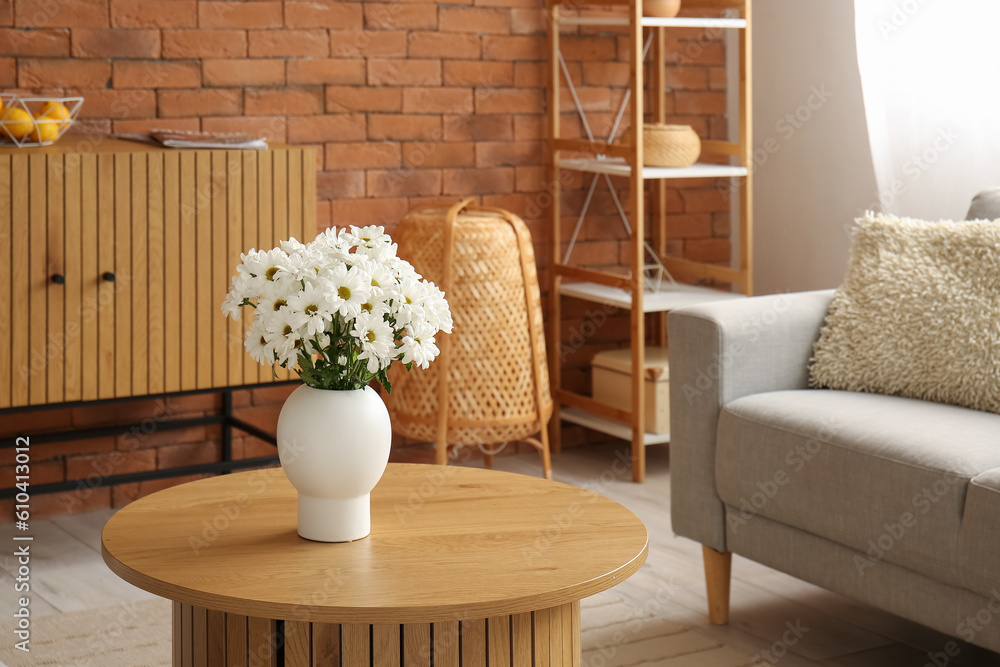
(892, 501)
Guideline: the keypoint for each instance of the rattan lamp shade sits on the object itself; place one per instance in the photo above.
(497, 383)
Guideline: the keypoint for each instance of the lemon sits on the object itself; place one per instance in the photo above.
(46, 130)
(17, 123)
(53, 110)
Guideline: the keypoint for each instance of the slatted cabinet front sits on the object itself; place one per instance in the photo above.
(116, 264)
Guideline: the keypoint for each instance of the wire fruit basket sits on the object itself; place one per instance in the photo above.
(36, 121)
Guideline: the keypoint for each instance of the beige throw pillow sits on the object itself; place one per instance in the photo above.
(918, 314)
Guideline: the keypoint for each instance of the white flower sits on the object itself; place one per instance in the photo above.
(375, 336)
(349, 288)
(418, 345)
(238, 292)
(284, 332)
(409, 302)
(314, 305)
(436, 308)
(371, 236)
(257, 344)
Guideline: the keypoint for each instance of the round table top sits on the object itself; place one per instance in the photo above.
(447, 543)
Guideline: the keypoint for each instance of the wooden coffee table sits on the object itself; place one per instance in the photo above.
(463, 566)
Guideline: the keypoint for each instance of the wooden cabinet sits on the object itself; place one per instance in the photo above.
(115, 258)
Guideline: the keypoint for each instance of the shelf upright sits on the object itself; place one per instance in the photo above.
(606, 159)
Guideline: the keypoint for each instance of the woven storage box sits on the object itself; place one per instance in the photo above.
(670, 145)
(612, 380)
(495, 357)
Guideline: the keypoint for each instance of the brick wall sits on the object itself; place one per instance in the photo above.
(409, 103)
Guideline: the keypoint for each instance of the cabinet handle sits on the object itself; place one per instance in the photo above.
(108, 276)
(58, 279)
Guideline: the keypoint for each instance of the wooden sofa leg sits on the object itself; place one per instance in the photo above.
(717, 570)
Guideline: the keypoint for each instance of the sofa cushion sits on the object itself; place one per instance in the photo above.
(985, 205)
(917, 314)
(979, 542)
(882, 474)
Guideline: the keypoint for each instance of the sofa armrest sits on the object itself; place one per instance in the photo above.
(720, 352)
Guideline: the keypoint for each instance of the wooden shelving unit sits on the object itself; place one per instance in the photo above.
(603, 158)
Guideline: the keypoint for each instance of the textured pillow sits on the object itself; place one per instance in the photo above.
(918, 314)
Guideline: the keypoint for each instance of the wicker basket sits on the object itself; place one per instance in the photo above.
(497, 387)
(670, 145)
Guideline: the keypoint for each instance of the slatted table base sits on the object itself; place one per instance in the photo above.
(546, 638)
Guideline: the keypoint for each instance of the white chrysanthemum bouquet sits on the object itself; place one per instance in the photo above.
(340, 309)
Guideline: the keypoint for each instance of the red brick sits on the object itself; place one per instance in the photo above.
(509, 153)
(41, 472)
(397, 15)
(530, 127)
(323, 215)
(705, 201)
(8, 72)
(718, 78)
(518, 47)
(439, 154)
(308, 72)
(362, 98)
(146, 126)
(98, 466)
(6, 12)
(285, 102)
(240, 14)
(324, 14)
(474, 20)
(509, 101)
(478, 73)
(707, 250)
(607, 74)
(115, 43)
(507, 3)
(154, 13)
(63, 73)
(204, 44)
(533, 75)
(403, 182)
(688, 78)
(404, 127)
(340, 184)
(381, 211)
(265, 72)
(156, 73)
(118, 104)
(368, 44)
(478, 181)
(700, 103)
(587, 48)
(133, 441)
(478, 128)
(338, 127)
(289, 43)
(175, 456)
(73, 14)
(364, 155)
(438, 100)
(200, 102)
(272, 128)
(527, 21)
(404, 72)
(441, 45)
(591, 99)
(44, 43)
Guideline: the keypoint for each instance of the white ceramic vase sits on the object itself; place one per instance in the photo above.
(334, 446)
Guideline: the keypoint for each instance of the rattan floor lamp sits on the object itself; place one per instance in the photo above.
(490, 384)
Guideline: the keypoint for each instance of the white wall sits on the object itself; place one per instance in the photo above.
(813, 169)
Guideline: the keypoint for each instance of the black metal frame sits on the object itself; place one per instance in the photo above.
(225, 419)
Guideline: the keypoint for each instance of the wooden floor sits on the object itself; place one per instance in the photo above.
(69, 575)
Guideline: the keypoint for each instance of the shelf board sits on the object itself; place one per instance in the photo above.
(617, 429)
(668, 298)
(618, 167)
(653, 21)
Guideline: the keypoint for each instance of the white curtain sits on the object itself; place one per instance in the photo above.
(930, 72)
